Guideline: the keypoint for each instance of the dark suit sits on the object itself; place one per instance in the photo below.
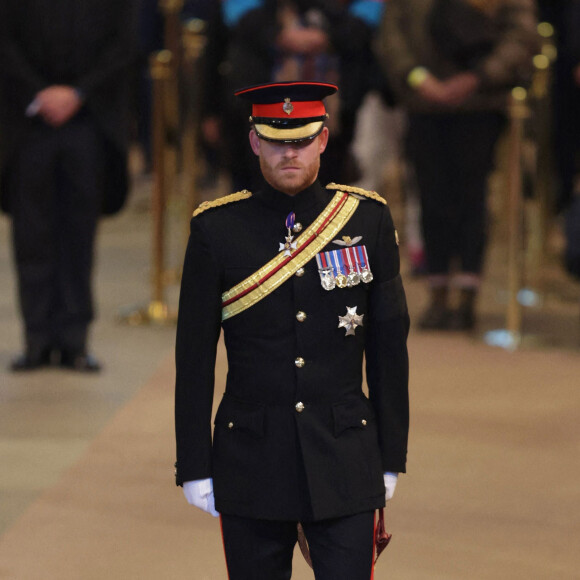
(269, 460)
(57, 181)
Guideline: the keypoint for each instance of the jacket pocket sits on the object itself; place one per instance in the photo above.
(355, 414)
(244, 416)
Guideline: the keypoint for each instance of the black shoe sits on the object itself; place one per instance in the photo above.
(79, 361)
(462, 319)
(29, 361)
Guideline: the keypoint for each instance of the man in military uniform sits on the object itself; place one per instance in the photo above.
(304, 280)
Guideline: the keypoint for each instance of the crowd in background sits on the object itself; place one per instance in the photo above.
(447, 65)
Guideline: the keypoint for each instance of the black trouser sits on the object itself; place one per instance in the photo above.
(453, 155)
(341, 548)
(56, 192)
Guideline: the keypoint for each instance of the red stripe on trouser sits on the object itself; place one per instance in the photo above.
(224, 545)
(374, 546)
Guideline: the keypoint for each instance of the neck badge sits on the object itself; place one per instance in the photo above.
(289, 245)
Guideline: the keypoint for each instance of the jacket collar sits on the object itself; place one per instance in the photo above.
(312, 196)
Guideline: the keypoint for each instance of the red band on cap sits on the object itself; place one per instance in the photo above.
(290, 110)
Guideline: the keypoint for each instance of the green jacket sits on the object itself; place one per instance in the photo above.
(405, 42)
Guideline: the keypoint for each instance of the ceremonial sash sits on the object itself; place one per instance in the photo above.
(320, 233)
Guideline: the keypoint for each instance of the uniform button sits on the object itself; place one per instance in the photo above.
(297, 228)
(364, 422)
(299, 407)
(299, 362)
(230, 425)
(300, 272)
(301, 316)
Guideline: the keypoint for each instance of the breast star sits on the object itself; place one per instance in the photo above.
(351, 320)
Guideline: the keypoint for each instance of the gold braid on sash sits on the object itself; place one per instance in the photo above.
(320, 233)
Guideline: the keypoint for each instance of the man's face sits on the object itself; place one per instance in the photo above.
(289, 167)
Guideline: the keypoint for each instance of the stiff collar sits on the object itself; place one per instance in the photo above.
(308, 198)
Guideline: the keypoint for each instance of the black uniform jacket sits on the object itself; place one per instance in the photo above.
(88, 44)
(269, 460)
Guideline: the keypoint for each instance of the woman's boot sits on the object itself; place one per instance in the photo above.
(463, 318)
(436, 316)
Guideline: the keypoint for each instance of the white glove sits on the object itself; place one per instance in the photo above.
(200, 494)
(390, 484)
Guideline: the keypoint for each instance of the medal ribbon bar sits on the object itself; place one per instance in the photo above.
(344, 268)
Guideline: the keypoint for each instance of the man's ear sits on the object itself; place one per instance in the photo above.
(255, 142)
(323, 139)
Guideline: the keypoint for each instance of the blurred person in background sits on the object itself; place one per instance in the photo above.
(564, 15)
(452, 64)
(64, 84)
(256, 41)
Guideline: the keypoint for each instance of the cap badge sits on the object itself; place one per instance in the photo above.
(287, 107)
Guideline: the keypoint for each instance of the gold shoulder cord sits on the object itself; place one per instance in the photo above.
(358, 191)
(244, 194)
(365, 193)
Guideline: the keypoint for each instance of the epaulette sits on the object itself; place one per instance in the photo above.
(244, 194)
(358, 191)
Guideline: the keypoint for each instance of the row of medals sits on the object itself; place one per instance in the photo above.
(329, 281)
(327, 278)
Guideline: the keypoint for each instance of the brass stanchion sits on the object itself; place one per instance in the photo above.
(157, 311)
(511, 336)
(518, 113)
(171, 10)
(542, 205)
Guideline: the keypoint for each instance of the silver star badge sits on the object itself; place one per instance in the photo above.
(351, 320)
